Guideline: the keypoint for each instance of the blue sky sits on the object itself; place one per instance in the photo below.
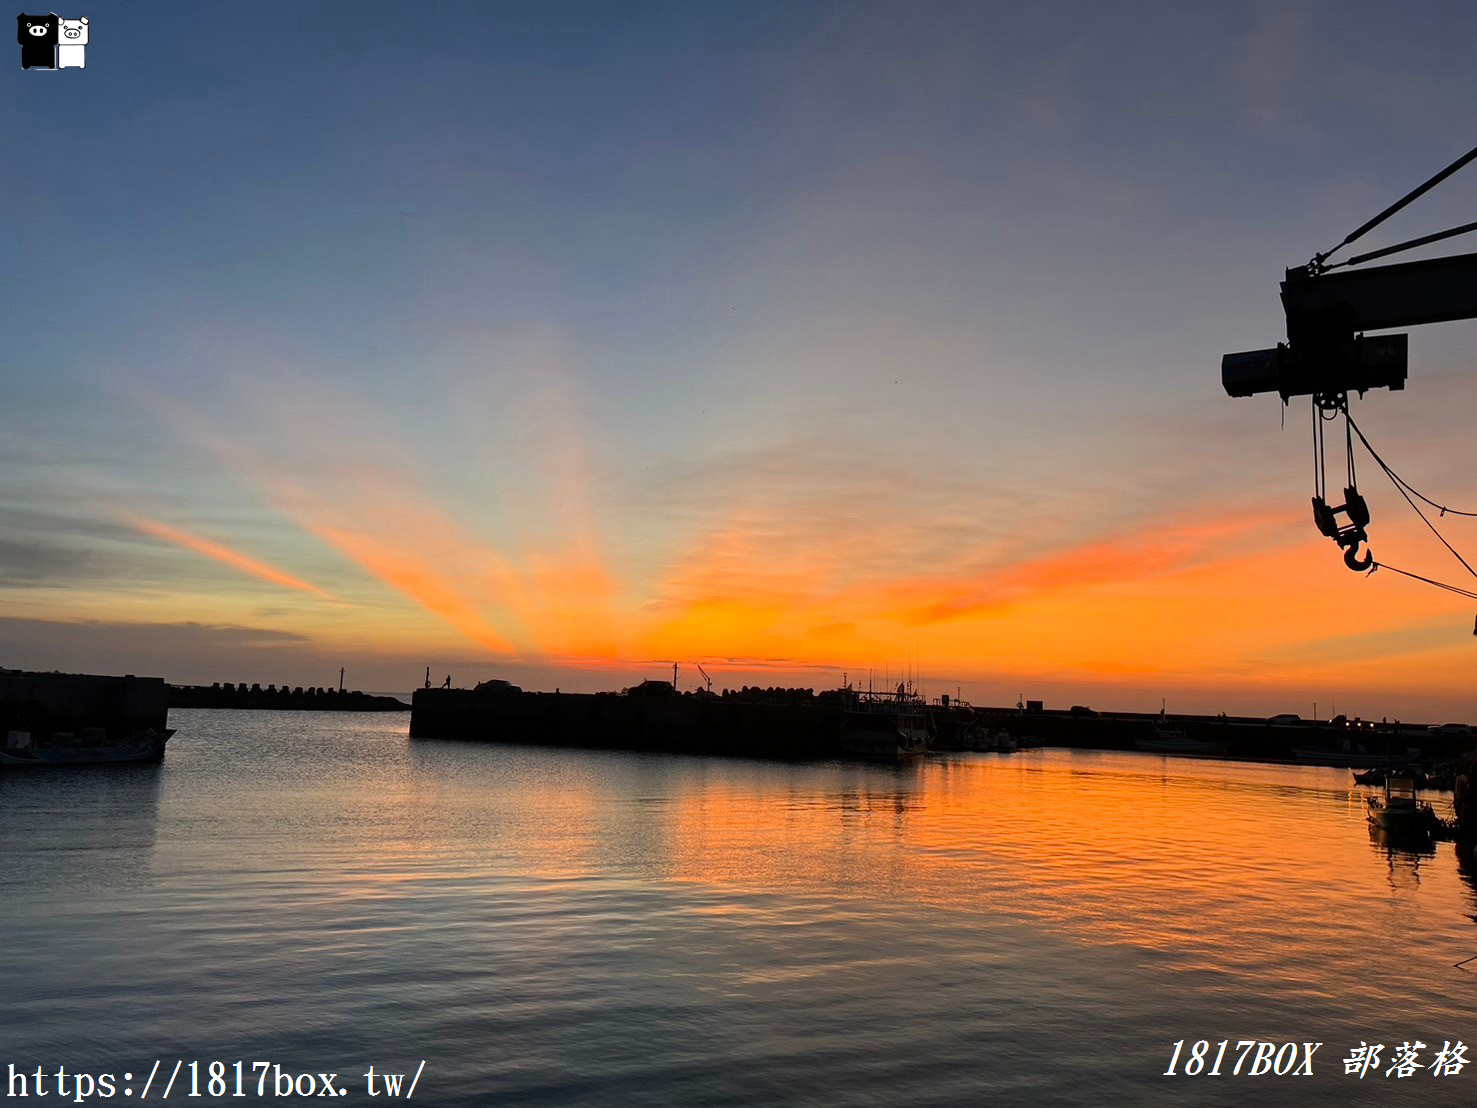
(596, 288)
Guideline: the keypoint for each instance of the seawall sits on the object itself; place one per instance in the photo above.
(697, 724)
(254, 697)
(42, 704)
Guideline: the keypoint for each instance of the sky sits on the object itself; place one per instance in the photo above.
(563, 342)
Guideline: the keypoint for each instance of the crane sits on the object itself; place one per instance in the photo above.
(1327, 356)
(706, 678)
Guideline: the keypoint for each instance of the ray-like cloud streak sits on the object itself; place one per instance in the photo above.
(215, 551)
(403, 571)
(382, 521)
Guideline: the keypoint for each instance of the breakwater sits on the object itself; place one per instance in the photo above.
(688, 723)
(43, 704)
(801, 724)
(299, 699)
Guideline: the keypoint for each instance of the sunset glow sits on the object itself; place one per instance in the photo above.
(898, 376)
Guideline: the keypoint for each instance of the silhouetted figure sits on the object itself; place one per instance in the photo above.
(447, 683)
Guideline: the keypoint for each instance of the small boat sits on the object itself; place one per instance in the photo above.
(1351, 755)
(1166, 740)
(90, 746)
(1399, 812)
(997, 742)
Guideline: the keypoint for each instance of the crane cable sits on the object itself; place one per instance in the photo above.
(1469, 594)
(1405, 490)
(1317, 264)
(1402, 482)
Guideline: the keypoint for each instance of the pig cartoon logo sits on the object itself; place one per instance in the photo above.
(37, 35)
(71, 46)
(50, 42)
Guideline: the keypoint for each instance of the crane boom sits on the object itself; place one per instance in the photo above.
(1408, 294)
(1326, 352)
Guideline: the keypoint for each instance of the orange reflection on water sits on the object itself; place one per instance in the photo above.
(1226, 863)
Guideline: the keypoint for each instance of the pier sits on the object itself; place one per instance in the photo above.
(803, 724)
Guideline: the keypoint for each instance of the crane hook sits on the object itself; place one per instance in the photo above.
(1359, 565)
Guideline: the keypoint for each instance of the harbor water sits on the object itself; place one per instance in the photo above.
(553, 926)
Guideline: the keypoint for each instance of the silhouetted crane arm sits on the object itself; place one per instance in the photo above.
(1333, 307)
(1327, 313)
(1326, 354)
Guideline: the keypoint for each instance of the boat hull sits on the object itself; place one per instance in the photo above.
(882, 735)
(881, 745)
(136, 748)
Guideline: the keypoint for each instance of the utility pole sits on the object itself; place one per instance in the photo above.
(340, 678)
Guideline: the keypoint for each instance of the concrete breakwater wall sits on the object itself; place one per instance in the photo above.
(43, 704)
(1239, 737)
(688, 723)
(810, 726)
(299, 699)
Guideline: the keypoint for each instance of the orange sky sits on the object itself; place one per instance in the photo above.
(1161, 607)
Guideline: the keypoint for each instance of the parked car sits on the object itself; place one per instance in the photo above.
(1284, 719)
(1081, 711)
(1450, 729)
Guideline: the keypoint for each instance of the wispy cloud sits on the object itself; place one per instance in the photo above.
(550, 594)
(225, 555)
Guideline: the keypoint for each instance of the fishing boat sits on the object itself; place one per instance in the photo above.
(90, 746)
(1167, 740)
(1399, 811)
(884, 726)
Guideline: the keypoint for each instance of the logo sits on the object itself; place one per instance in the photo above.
(49, 42)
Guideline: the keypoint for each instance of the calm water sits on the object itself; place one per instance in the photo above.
(583, 927)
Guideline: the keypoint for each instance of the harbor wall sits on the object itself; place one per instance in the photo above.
(254, 697)
(683, 723)
(43, 704)
(809, 726)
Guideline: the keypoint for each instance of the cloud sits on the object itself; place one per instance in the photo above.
(549, 593)
(226, 556)
(154, 649)
(32, 563)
